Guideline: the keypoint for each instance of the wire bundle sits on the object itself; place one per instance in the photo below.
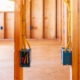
(68, 46)
(24, 8)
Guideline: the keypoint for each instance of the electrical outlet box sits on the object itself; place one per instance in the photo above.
(31, 27)
(66, 57)
(25, 55)
(1, 27)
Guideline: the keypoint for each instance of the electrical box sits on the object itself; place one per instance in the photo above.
(25, 56)
(1, 27)
(30, 27)
(66, 57)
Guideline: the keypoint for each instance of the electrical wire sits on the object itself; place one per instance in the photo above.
(68, 46)
(24, 9)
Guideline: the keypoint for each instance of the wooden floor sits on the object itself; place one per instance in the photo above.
(46, 61)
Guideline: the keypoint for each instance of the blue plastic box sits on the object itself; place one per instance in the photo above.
(66, 57)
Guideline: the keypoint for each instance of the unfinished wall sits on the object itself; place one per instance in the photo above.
(28, 21)
(59, 19)
(50, 19)
(42, 18)
(2, 24)
(9, 25)
(7, 22)
(43, 21)
(37, 19)
(64, 23)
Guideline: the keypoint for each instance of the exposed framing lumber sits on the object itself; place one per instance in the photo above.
(36, 19)
(2, 24)
(75, 40)
(64, 23)
(18, 72)
(59, 19)
(79, 38)
(50, 11)
(28, 21)
(8, 25)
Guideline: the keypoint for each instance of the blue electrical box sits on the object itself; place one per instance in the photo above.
(66, 57)
(25, 57)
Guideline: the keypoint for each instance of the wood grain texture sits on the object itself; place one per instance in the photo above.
(18, 72)
(28, 21)
(59, 19)
(2, 24)
(50, 19)
(37, 19)
(9, 25)
(79, 37)
(45, 61)
(75, 39)
(64, 24)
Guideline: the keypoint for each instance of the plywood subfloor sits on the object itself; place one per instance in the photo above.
(46, 61)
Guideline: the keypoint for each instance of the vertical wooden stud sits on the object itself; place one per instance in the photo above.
(37, 19)
(75, 39)
(79, 35)
(18, 72)
(64, 24)
(59, 19)
(9, 25)
(50, 19)
(28, 21)
(2, 24)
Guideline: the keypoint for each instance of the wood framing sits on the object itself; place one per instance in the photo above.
(28, 21)
(75, 15)
(9, 25)
(75, 40)
(59, 19)
(64, 23)
(2, 24)
(18, 72)
(79, 36)
(37, 19)
(50, 19)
